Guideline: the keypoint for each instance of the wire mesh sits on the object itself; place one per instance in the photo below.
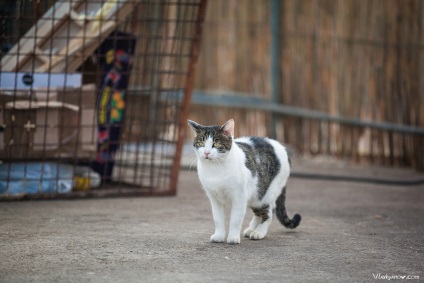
(92, 95)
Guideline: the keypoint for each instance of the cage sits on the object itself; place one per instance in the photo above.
(94, 95)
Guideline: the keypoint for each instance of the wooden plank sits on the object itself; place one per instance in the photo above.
(40, 55)
(76, 44)
(35, 35)
(93, 31)
(86, 41)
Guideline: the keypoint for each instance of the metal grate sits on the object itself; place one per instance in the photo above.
(94, 96)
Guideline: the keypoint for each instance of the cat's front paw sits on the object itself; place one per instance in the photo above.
(217, 238)
(255, 235)
(233, 240)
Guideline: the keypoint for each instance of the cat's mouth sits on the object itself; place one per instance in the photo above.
(208, 158)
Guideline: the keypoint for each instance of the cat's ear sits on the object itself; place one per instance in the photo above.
(228, 128)
(196, 127)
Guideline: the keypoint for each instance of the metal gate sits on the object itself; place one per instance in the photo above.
(94, 95)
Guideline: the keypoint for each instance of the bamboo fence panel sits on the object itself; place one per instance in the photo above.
(352, 58)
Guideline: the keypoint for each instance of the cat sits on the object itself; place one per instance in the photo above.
(244, 172)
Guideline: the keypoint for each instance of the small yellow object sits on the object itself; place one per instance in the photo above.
(119, 102)
(85, 179)
(110, 55)
(114, 113)
(81, 183)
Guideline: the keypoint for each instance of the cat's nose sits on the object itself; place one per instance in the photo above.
(207, 153)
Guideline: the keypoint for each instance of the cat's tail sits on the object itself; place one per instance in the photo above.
(281, 213)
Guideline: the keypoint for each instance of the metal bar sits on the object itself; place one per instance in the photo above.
(247, 101)
(275, 61)
(185, 105)
(355, 41)
(251, 102)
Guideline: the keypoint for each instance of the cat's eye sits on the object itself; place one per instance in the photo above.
(200, 143)
(216, 143)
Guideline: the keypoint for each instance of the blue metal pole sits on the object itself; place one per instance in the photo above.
(275, 61)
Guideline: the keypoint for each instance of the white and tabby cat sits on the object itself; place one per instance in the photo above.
(244, 172)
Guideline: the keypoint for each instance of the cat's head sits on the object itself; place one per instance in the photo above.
(212, 142)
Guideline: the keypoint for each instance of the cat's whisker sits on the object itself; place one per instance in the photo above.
(217, 160)
(191, 165)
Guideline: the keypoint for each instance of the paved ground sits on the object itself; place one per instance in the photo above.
(349, 232)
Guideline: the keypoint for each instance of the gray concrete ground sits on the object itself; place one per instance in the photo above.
(350, 232)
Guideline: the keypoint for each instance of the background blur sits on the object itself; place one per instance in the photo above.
(357, 59)
(353, 59)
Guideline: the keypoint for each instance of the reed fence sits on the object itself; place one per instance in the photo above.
(355, 59)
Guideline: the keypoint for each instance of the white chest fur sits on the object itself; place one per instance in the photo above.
(225, 179)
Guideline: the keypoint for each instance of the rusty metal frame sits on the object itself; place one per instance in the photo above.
(185, 105)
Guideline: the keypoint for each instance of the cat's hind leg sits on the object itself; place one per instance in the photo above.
(254, 223)
(264, 214)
